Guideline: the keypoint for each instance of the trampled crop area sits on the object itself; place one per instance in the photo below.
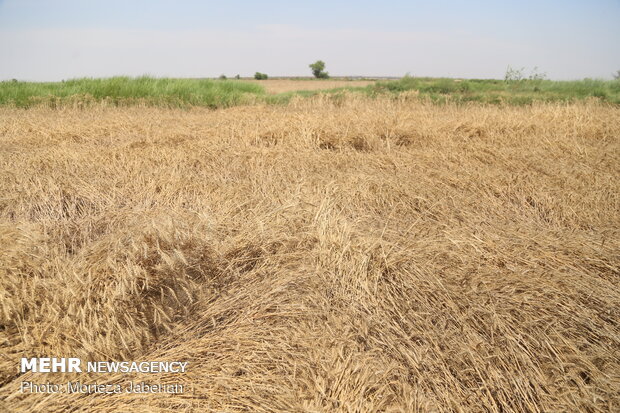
(334, 253)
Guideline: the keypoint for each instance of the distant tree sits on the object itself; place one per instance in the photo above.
(514, 75)
(223, 77)
(536, 75)
(517, 75)
(318, 68)
(260, 76)
(237, 77)
(617, 75)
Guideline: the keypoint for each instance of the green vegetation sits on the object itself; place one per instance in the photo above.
(489, 91)
(512, 91)
(260, 76)
(123, 91)
(318, 68)
(126, 90)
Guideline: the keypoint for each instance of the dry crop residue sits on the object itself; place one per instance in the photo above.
(347, 254)
(275, 86)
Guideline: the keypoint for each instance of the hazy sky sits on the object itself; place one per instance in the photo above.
(61, 39)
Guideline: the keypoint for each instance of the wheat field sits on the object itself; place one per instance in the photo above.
(336, 254)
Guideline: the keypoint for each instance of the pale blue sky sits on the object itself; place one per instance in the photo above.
(61, 39)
